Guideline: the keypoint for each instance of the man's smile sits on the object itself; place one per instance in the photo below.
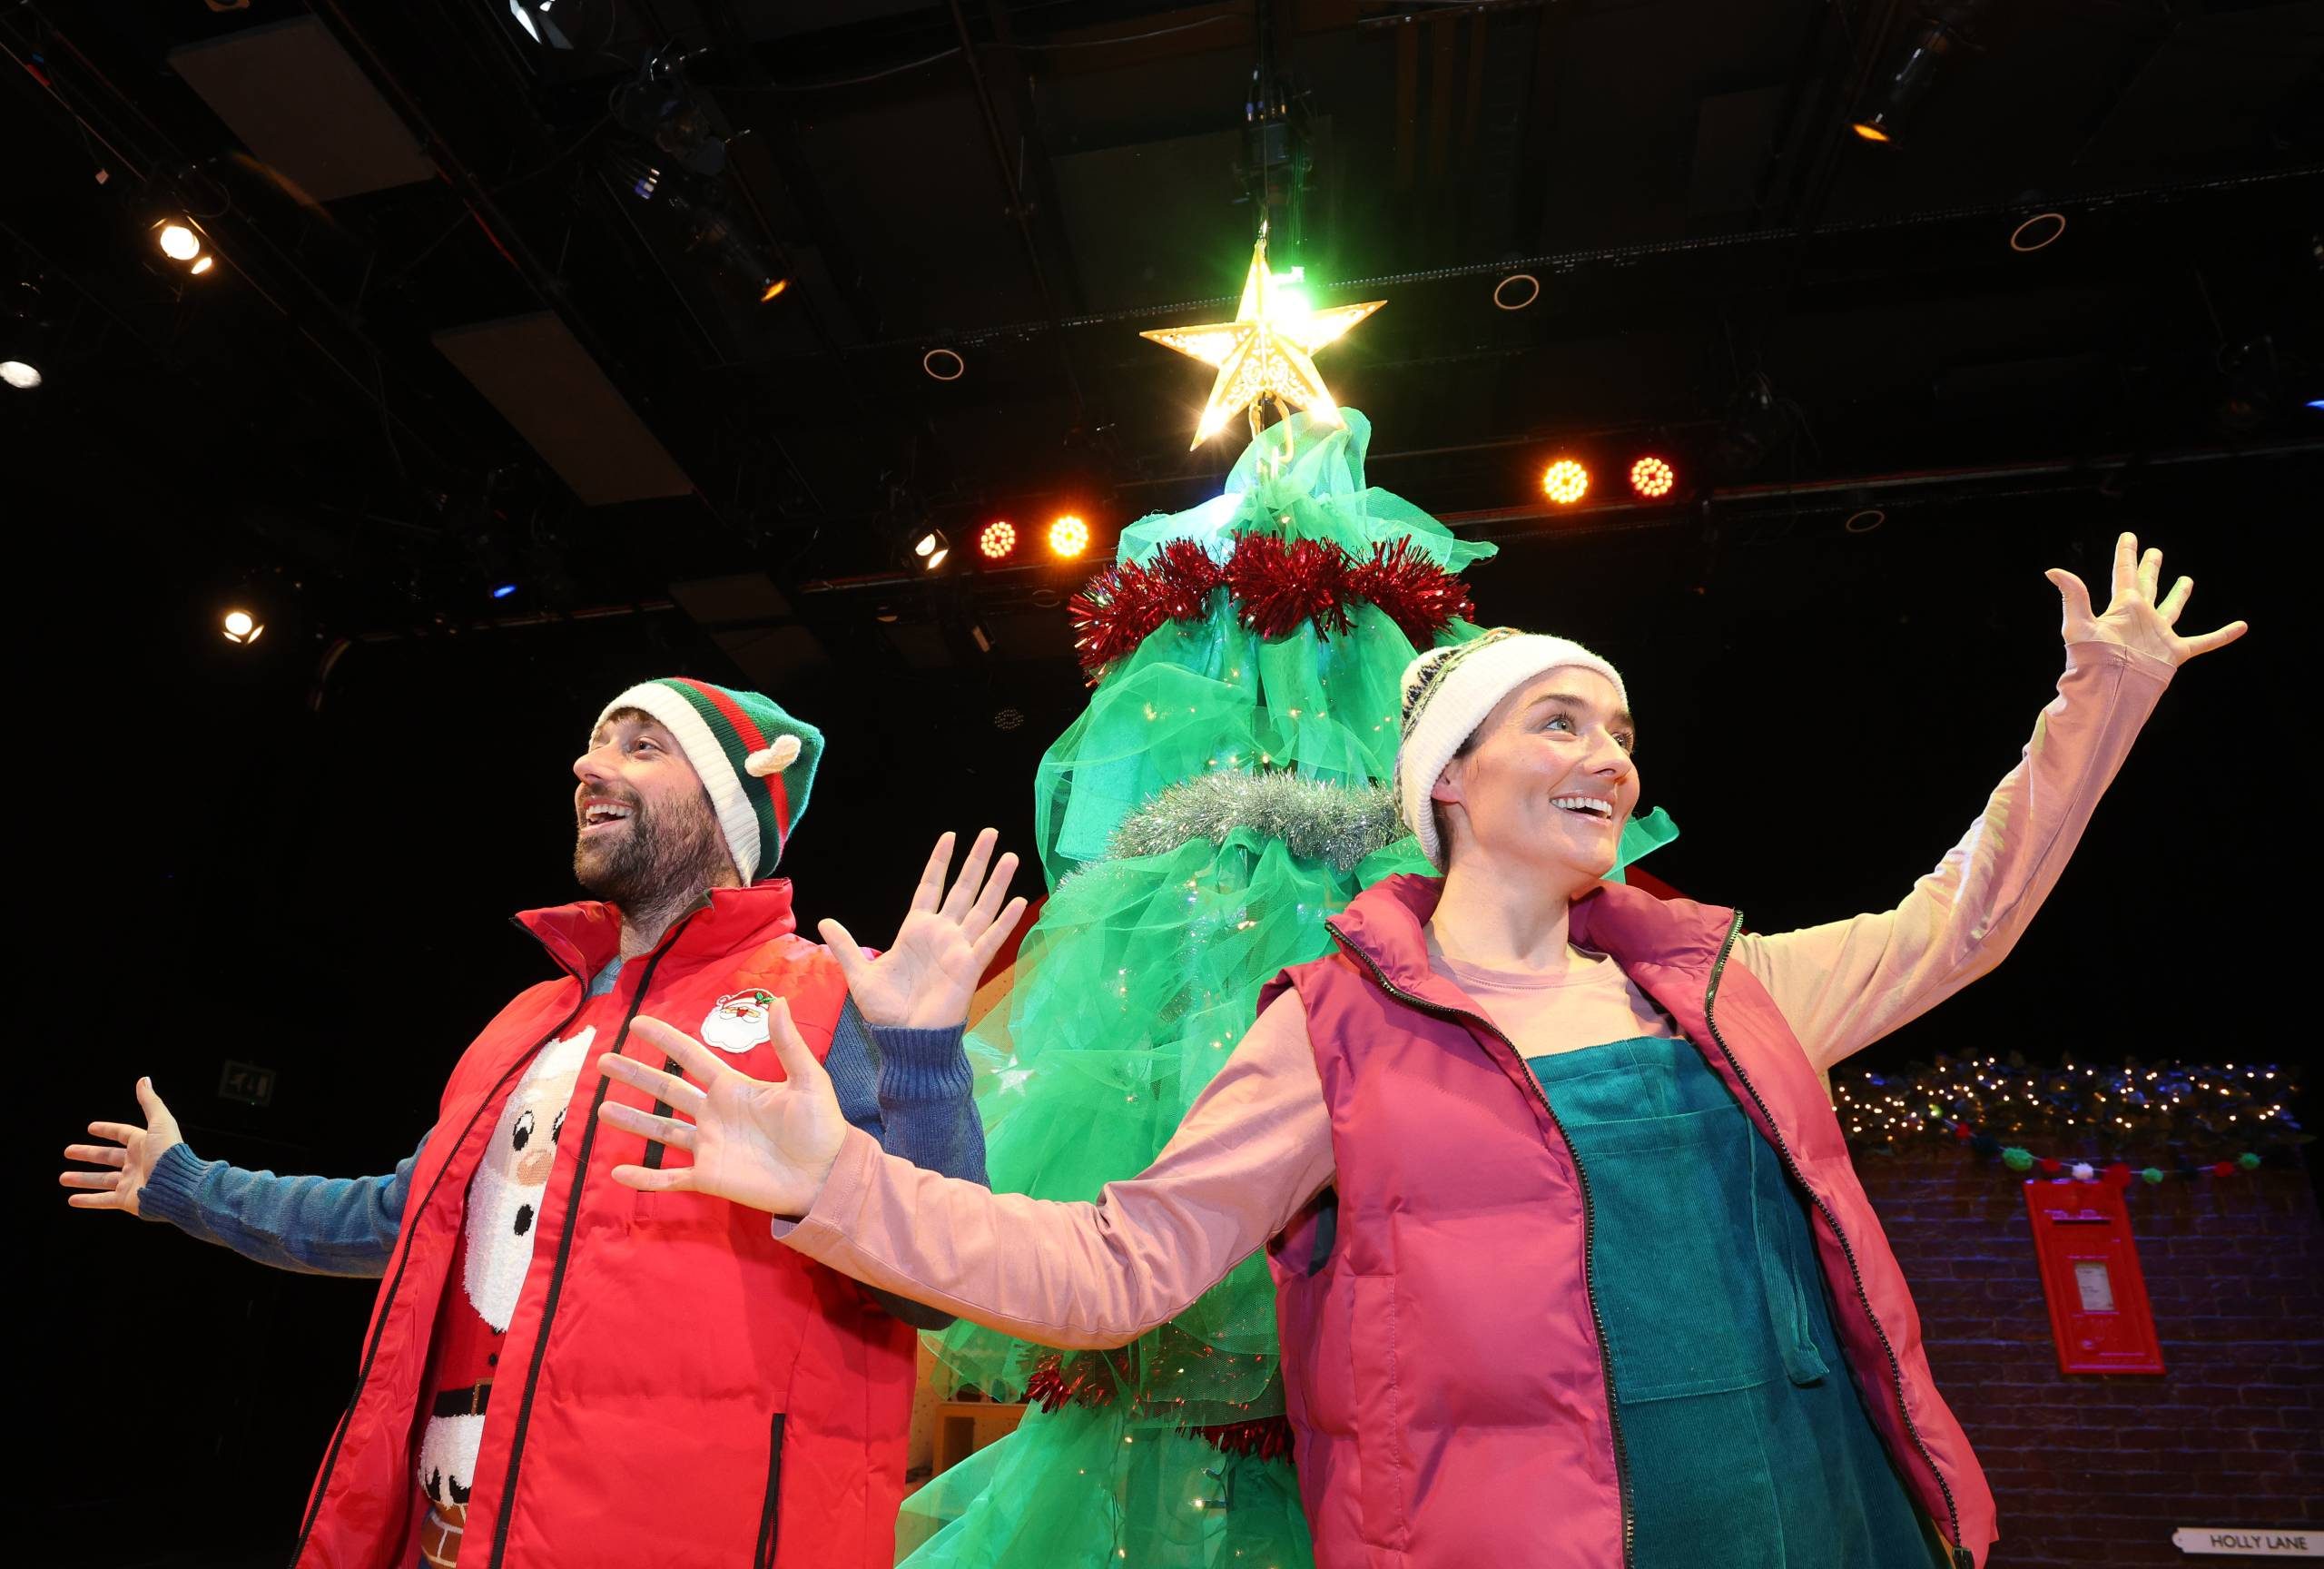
(602, 815)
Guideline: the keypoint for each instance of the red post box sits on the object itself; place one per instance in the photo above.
(2090, 1272)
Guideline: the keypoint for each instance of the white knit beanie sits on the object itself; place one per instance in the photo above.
(1449, 691)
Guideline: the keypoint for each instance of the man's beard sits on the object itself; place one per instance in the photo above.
(668, 856)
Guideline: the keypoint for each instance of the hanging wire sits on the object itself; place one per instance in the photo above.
(1064, 46)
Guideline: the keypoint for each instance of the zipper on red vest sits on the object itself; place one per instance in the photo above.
(1895, 1368)
(656, 1150)
(410, 1229)
(565, 1252)
(771, 1509)
(1588, 1213)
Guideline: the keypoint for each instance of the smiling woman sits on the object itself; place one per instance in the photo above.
(1518, 749)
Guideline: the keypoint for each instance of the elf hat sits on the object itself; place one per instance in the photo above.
(756, 761)
(1449, 691)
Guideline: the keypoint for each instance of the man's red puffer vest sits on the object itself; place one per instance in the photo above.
(677, 1388)
(1445, 1384)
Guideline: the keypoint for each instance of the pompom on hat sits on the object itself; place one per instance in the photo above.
(1449, 691)
(757, 762)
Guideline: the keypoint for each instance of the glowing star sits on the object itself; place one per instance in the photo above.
(1267, 350)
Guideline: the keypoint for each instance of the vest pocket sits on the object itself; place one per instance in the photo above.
(1380, 1433)
(771, 1510)
(681, 1211)
(1304, 1247)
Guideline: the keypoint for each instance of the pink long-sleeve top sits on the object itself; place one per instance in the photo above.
(1257, 1143)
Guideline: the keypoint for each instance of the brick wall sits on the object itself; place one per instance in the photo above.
(2094, 1473)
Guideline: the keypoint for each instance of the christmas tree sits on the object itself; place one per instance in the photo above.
(1224, 791)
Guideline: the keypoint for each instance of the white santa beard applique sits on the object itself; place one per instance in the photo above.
(739, 1021)
(448, 1448)
(502, 1205)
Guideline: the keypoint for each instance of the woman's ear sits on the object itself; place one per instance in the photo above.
(1448, 785)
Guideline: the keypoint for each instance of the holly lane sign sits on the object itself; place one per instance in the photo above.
(2244, 1541)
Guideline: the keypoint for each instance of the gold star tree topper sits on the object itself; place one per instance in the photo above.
(1267, 350)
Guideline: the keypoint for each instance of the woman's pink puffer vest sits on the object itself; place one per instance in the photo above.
(1444, 1378)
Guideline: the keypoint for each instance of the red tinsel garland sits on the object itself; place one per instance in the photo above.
(1186, 575)
(1269, 1438)
(1415, 593)
(1281, 583)
(1092, 1379)
(1052, 1386)
(1112, 615)
(1277, 585)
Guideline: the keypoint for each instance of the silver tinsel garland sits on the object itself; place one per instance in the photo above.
(1332, 823)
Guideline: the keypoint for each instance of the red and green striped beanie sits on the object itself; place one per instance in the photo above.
(756, 761)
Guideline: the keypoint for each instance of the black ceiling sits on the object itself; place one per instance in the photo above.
(1030, 184)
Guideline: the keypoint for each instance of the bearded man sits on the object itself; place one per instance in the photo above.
(501, 1416)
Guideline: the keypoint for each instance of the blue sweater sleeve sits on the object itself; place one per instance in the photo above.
(312, 1225)
(912, 1091)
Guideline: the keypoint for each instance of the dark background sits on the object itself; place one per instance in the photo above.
(301, 853)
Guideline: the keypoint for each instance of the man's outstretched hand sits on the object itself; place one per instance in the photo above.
(929, 972)
(2134, 618)
(129, 1157)
(769, 1146)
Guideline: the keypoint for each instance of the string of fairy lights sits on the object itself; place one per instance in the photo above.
(2090, 1116)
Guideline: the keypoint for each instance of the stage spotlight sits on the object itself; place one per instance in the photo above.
(932, 548)
(681, 120)
(1941, 31)
(1069, 536)
(1565, 481)
(24, 337)
(997, 540)
(241, 627)
(712, 235)
(541, 20)
(1650, 476)
(502, 590)
(181, 243)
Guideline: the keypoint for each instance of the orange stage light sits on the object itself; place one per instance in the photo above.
(1652, 477)
(1565, 481)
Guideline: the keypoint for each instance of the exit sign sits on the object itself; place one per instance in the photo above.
(247, 1083)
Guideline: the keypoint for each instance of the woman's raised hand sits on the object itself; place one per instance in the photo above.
(2136, 618)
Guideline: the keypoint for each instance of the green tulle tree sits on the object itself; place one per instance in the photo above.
(1220, 796)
